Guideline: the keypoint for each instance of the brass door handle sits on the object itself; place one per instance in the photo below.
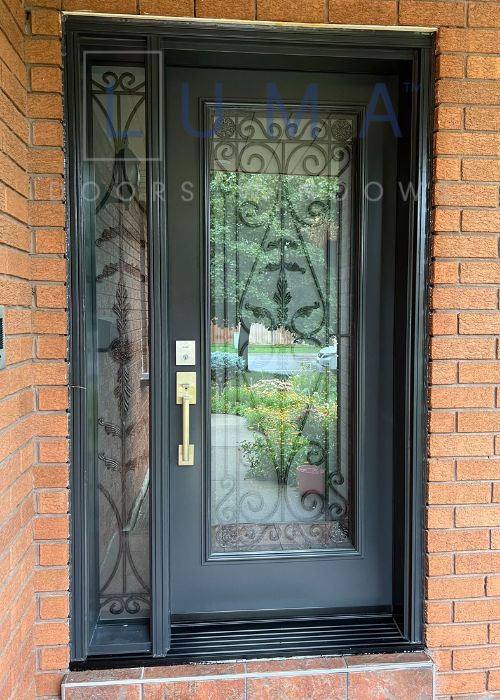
(185, 429)
(186, 395)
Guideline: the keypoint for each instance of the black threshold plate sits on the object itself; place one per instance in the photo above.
(283, 637)
(226, 640)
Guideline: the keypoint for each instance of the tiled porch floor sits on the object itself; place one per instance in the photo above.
(369, 677)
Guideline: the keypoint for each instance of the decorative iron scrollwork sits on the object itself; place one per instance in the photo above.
(277, 214)
(278, 536)
(118, 99)
(342, 131)
(110, 428)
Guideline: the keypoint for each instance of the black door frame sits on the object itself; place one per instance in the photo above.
(408, 53)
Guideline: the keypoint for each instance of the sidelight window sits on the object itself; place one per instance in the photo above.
(117, 281)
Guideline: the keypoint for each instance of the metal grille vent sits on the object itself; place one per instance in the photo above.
(2, 338)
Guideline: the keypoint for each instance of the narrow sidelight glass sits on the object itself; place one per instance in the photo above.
(116, 195)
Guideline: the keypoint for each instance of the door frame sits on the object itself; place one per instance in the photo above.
(408, 52)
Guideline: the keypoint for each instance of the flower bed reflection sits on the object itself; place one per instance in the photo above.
(265, 428)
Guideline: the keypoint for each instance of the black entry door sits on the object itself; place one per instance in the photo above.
(280, 201)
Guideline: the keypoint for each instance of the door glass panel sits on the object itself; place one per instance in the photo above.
(279, 220)
(121, 328)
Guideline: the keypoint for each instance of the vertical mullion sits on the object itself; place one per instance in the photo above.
(80, 598)
(423, 105)
(160, 609)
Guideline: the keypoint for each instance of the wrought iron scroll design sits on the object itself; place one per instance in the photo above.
(245, 144)
(120, 258)
(119, 97)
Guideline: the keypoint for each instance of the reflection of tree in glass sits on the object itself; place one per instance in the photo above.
(273, 243)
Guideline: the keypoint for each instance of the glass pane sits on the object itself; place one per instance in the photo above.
(279, 263)
(120, 262)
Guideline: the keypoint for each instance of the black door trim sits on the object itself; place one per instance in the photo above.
(408, 53)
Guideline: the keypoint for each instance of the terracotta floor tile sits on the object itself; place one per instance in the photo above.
(325, 687)
(276, 665)
(371, 659)
(113, 674)
(107, 692)
(410, 684)
(193, 670)
(196, 690)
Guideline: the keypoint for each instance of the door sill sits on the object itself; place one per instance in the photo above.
(114, 637)
(258, 638)
(195, 642)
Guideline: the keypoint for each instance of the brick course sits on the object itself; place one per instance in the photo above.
(17, 397)
(463, 516)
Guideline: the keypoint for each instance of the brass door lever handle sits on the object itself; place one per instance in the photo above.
(185, 428)
(186, 395)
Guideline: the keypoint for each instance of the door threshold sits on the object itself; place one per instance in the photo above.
(198, 642)
(304, 636)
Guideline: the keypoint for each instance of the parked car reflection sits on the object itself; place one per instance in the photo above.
(327, 358)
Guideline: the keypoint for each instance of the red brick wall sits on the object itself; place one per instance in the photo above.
(47, 215)
(17, 398)
(33, 395)
(463, 606)
(463, 541)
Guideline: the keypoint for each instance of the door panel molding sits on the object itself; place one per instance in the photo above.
(357, 163)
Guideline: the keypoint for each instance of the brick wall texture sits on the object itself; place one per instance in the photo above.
(463, 516)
